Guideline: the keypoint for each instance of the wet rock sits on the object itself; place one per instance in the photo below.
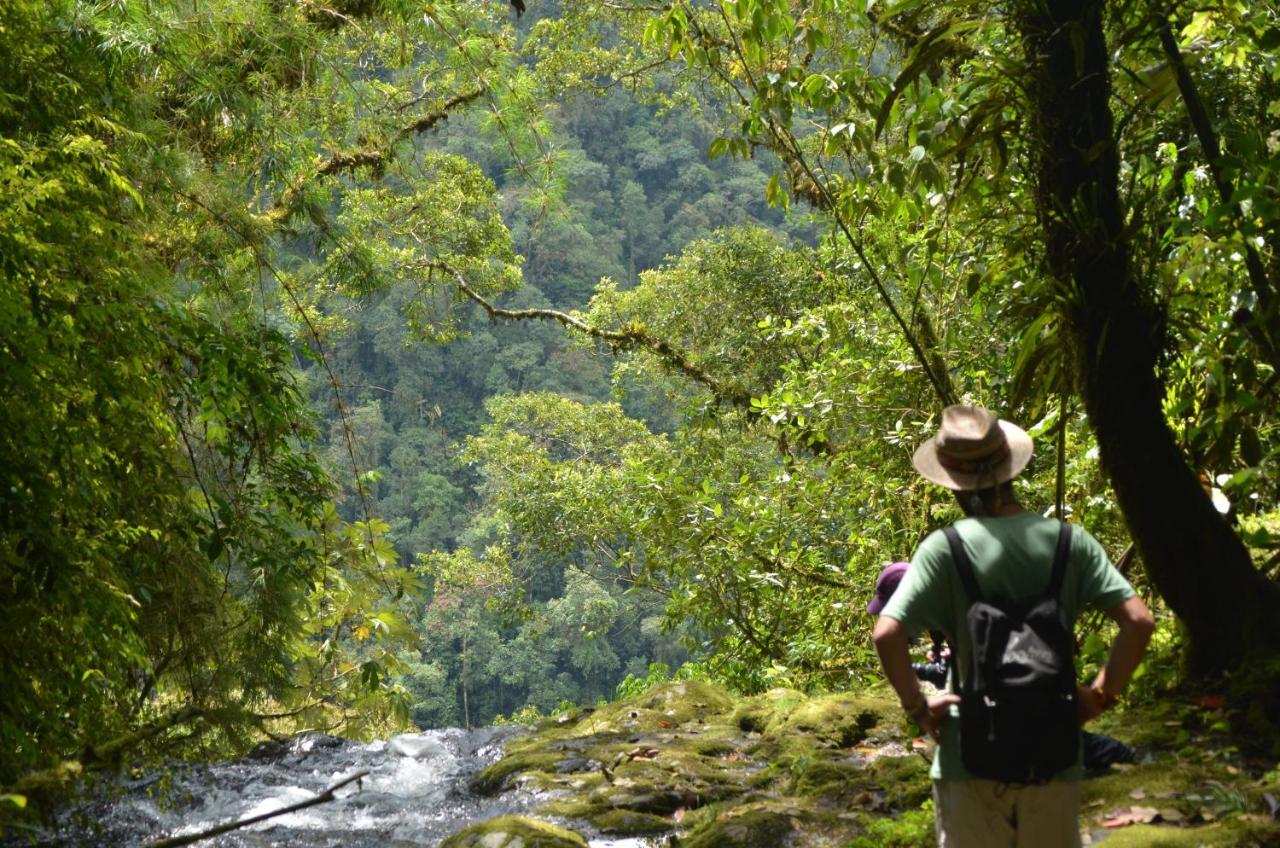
(416, 746)
(501, 774)
(573, 765)
(515, 832)
(657, 802)
(300, 745)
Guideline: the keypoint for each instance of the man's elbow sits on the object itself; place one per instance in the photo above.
(1136, 617)
(1146, 623)
(886, 631)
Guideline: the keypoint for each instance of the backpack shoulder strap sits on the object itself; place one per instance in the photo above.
(1060, 557)
(963, 565)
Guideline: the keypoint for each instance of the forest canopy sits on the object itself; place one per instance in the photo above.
(368, 361)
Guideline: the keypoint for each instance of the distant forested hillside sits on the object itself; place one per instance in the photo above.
(637, 186)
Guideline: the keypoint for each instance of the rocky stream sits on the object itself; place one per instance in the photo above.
(683, 764)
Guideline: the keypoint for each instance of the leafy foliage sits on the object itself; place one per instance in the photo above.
(232, 497)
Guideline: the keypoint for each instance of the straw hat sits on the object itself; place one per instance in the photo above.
(973, 450)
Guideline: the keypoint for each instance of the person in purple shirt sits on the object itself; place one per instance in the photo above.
(934, 669)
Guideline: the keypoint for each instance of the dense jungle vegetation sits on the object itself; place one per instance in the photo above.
(376, 361)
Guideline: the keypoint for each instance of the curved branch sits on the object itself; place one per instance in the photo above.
(632, 337)
(635, 337)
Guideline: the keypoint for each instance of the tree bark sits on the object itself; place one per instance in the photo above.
(1194, 559)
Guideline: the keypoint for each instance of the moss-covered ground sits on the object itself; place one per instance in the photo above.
(1203, 778)
(786, 769)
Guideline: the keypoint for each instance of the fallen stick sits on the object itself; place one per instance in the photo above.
(327, 795)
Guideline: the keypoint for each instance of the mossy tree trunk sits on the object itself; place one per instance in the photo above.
(1194, 559)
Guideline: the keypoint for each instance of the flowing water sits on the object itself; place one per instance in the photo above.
(414, 795)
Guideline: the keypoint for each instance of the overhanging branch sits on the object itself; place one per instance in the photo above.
(632, 337)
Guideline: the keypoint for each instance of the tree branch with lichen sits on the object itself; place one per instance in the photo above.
(374, 158)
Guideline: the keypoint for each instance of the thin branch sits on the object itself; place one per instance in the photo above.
(786, 146)
(208, 502)
(345, 162)
(324, 797)
(348, 429)
(1212, 147)
(640, 7)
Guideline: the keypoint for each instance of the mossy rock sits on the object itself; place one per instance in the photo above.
(669, 705)
(905, 779)
(758, 714)
(815, 775)
(630, 823)
(575, 782)
(754, 826)
(568, 718)
(515, 832)
(842, 720)
(497, 777)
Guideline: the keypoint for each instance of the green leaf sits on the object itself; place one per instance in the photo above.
(1251, 446)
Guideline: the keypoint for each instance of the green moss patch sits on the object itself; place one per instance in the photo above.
(1236, 833)
(752, 826)
(841, 720)
(905, 780)
(630, 823)
(758, 714)
(515, 832)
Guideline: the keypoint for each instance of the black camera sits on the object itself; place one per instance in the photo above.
(934, 672)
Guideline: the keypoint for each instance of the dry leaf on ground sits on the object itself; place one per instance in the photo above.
(1132, 815)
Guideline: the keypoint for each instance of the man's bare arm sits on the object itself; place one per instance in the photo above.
(893, 646)
(1136, 626)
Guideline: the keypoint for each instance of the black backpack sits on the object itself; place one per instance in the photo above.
(1018, 721)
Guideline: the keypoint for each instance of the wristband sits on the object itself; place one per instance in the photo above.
(914, 712)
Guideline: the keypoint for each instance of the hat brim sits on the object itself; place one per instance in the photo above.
(926, 463)
(877, 604)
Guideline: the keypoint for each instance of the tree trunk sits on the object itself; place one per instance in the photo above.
(462, 681)
(1192, 556)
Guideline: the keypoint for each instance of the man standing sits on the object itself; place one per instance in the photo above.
(1011, 553)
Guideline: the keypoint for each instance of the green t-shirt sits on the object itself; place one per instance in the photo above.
(1012, 558)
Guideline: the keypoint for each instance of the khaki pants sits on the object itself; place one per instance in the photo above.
(987, 814)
